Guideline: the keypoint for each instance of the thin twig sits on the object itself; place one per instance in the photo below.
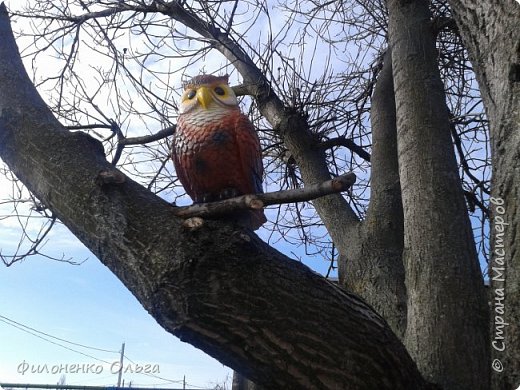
(347, 143)
(148, 138)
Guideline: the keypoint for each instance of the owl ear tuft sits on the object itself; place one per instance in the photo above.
(206, 79)
(224, 79)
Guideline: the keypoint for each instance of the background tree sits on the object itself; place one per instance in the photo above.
(405, 243)
(495, 54)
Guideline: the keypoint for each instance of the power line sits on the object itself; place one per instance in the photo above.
(155, 376)
(54, 337)
(53, 342)
(42, 335)
(164, 379)
(21, 327)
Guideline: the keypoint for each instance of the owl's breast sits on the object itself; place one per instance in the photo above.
(207, 157)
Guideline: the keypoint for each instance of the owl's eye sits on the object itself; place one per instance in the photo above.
(220, 91)
(191, 94)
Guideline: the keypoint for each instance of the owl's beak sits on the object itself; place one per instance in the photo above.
(204, 97)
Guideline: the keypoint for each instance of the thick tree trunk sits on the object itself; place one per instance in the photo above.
(373, 266)
(490, 30)
(220, 289)
(447, 314)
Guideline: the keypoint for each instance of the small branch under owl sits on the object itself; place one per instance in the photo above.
(258, 201)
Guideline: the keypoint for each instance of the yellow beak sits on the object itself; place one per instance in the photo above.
(204, 97)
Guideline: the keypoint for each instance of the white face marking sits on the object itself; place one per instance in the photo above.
(199, 116)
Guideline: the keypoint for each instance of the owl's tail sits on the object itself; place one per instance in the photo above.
(251, 219)
(257, 219)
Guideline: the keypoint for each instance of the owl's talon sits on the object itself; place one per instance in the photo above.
(206, 198)
(227, 193)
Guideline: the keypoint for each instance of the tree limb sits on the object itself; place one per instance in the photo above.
(444, 282)
(257, 201)
(124, 141)
(491, 35)
(383, 283)
(145, 139)
(347, 143)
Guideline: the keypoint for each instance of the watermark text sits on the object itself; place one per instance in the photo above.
(498, 276)
(87, 368)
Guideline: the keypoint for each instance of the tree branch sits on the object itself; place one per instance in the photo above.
(145, 139)
(123, 141)
(89, 127)
(245, 90)
(347, 143)
(257, 201)
(383, 283)
(444, 282)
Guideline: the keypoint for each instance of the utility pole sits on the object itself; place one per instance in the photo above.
(121, 365)
(184, 383)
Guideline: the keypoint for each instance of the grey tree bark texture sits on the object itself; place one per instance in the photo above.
(221, 289)
(491, 34)
(447, 318)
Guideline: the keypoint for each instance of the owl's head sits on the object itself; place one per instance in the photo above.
(206, 92)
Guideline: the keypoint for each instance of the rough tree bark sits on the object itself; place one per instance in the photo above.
(221, 289)
(491, 34)
(447, 311)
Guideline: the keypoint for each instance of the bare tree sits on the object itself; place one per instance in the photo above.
(326, 99)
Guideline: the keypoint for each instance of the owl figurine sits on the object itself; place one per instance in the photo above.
(216, 151)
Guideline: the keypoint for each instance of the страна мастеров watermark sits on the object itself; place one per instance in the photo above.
(498, 277)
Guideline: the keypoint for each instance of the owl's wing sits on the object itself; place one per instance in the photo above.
(250, 154)
(181, 149)
(250, 157)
